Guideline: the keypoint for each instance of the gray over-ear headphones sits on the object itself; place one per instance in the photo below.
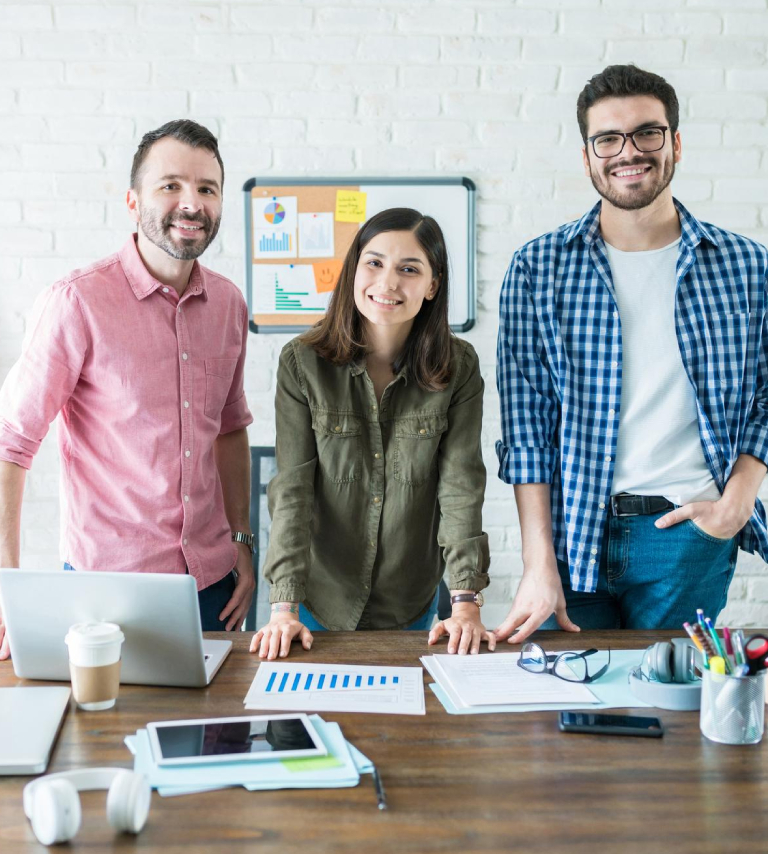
(667, 676)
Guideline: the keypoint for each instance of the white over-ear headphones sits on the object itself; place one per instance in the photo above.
(53, 806)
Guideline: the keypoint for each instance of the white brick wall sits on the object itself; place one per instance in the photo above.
(485, 88)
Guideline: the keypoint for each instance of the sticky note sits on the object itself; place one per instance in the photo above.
(327, 274)
(350, 206)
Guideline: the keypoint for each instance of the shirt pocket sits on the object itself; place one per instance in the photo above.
(218, 381)
(729, 336)
(416, 444)
(339, 448)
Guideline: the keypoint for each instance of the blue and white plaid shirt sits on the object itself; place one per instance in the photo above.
(560, 363)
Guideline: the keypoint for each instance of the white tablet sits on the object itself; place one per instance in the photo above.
(257, 738)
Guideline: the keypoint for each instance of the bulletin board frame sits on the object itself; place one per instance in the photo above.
(316, 194)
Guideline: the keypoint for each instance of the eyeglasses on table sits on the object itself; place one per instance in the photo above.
(570, 666)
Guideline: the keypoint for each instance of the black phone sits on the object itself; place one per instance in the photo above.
(611, 724)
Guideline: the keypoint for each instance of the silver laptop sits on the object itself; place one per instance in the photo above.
(30, 719)
(158, 613)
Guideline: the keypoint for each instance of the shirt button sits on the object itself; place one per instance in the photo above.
(184, 356)
(337, 429)
(374, 407)
(594, 551)
(186, 404)
(614, 364)
(186, 498)
(185, 541)
(187, 453)
(601, 505)
(592, 562)
(615, 314)
(165, 290)
(366, 586)
(376, 499)
(422, 432)
(607, 458)
(373, 543)
(377, 456)
(611, 411)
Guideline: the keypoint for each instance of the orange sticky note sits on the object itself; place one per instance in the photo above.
(327, 274)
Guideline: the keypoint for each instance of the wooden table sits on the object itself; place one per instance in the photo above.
(479, 783)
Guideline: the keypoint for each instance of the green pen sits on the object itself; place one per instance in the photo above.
(718, 645)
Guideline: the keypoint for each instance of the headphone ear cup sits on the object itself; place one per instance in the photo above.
(128, 802)
(681, 657)
(56, 812)
(661, 661)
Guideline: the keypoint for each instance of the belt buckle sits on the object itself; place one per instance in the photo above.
(615, 506)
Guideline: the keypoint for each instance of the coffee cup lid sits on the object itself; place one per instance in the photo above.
(94, 634)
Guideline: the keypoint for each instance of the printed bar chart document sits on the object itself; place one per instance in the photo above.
(337, 688)
(488, 680)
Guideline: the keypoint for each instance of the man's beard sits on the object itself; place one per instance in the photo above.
(157, 231)
(633, 199)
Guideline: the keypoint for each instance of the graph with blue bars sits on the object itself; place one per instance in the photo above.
(301, 680)
(273, 243)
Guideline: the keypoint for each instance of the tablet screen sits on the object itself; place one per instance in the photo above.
(234, 738)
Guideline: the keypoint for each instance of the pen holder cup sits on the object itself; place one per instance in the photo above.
(733, 707)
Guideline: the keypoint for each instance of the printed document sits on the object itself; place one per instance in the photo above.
(337, 688)
(488, 680)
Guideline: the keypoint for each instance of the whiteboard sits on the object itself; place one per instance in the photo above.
(450, 201)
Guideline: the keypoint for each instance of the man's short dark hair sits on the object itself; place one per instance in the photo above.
(184, 130)
(626, 81)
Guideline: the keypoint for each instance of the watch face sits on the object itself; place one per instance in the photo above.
(479, 599)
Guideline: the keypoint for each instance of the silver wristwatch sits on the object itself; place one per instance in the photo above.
(240, 537)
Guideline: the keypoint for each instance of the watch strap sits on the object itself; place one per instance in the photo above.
(469, 596)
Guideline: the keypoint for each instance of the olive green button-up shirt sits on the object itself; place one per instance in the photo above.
(372, 501)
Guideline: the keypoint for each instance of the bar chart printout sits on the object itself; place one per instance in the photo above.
(328, 687)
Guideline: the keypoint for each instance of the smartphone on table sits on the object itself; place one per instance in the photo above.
(599, 724)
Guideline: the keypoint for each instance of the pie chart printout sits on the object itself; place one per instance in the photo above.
(274, 213)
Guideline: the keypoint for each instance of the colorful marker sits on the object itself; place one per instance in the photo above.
(718, 645)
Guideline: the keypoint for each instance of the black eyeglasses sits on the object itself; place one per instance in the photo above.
(645, 140)
(570, 666)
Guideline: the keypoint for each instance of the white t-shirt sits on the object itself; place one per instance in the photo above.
(659, 449)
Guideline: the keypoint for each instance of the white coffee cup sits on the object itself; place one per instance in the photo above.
(94, 664)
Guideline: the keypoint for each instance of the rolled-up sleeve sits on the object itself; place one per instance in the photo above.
(236, 415)
(461, 482)
(291, 492)
(529, 407)
(41, 382)
(755, 439)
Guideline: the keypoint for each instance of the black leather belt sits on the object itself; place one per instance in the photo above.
(625, 504)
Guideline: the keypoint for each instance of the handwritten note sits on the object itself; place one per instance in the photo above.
(350, 206)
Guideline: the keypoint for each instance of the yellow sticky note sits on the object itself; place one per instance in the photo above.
(350, 206)
(327, 274)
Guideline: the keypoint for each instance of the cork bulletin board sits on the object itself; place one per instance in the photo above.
(298, 230)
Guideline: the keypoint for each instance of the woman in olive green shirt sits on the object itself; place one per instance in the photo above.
(380, 477)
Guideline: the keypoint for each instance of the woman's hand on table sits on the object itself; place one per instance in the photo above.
(274, 639)
(465, 631)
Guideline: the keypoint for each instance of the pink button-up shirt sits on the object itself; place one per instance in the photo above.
(142, 382)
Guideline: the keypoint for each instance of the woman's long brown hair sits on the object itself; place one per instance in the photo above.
(340, 336)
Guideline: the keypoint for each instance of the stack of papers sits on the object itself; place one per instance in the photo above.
(337, 688)
(340, 768)
(480, 684)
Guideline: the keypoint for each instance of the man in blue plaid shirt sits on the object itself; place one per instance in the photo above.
(633, 376)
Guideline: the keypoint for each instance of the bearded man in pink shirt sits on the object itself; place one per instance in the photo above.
(141, 357)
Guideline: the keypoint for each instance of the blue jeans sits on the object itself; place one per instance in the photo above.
(211, 601)
(422, 624)
(651, 578)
